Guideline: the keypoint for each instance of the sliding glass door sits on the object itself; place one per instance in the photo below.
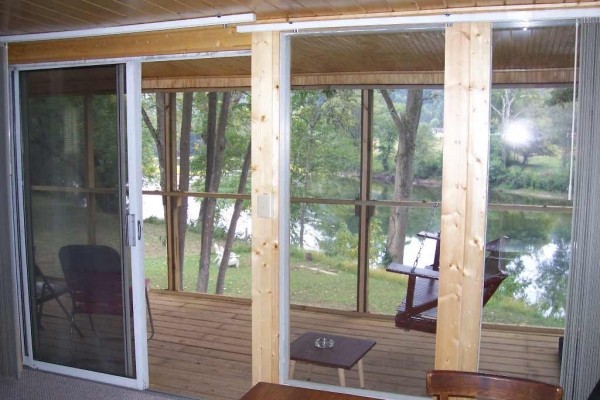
(78, 223)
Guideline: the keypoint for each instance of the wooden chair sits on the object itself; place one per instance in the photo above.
(418, 310)
(446, 384)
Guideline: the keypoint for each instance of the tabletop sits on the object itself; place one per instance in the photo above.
(272, 391)
(346, 351)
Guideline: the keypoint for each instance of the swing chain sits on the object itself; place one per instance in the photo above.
(433, 211)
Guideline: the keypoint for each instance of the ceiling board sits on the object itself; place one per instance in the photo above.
(519, 55)
(39, 16)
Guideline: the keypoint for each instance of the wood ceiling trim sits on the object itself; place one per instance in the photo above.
(370, 78)
(203, 83)
(180, 41)
(554, 76)
(550, 76)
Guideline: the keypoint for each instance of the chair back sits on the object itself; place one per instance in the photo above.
(93, 276)
(446, 384)
(496, 259)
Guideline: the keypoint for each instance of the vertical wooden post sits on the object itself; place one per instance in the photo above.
(365, 212)
(173, 262)
(265, 210)
(467, 84)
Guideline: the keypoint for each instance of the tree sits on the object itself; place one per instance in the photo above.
(325, 138)
(215, 150)
(237, 209)
(406, 125)
(216, 121)
(184, 175)
(158, 133)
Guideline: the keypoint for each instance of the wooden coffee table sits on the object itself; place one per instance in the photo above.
(345, 353)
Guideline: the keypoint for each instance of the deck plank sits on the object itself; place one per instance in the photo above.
(202, 348)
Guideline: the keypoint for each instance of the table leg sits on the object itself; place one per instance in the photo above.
(292, 367)
(309, 372)
(342, 376)
(361, 374)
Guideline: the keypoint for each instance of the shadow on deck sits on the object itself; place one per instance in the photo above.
(202, 348)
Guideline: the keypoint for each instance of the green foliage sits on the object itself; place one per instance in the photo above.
(428, 154)
(324, 141)
(561, 96)
(154, 220)
(428, 149)
(546, 113)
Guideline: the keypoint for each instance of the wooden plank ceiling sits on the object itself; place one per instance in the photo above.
(37, 16)
(409, 57)
(415, 53)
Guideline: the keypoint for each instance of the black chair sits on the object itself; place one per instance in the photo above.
(94, 280)
(46, 290)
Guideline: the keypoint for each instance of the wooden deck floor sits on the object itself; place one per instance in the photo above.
(202, 348)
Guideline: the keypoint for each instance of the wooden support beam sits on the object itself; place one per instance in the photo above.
(464, 194)
(180, 41)
(551, 76)
(173, 262)
(365, 211)
(265, 198)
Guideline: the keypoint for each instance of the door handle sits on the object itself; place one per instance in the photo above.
(131, 230)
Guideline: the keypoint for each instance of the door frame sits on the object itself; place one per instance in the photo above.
(133, 84)
(133, 68)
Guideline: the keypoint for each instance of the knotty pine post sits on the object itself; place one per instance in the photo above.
(464, 195)
(265, 211)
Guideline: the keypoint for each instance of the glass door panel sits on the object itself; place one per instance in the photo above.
(75, 192)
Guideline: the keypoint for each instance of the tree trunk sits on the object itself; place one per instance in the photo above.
(184, 175)
(158, 133)
(214, 169)
(407, 126)
(237, 209)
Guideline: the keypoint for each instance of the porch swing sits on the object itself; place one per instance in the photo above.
(418, 310)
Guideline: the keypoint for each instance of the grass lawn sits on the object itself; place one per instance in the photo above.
(319, 280)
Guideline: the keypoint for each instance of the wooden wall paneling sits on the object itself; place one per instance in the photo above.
(265, 191)
(179, 41)
(464, 194)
